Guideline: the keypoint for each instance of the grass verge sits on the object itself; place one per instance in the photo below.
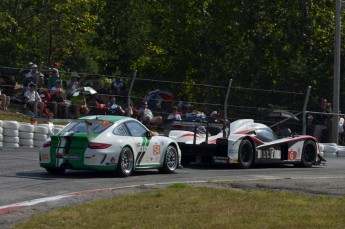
(182, 206)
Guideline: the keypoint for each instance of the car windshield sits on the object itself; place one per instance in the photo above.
(97, 127)
(266, 134)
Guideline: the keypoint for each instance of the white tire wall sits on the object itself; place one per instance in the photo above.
(14, 125)
(10, 145)
(10, 139)
(26, 135)
(341, 151)
(26, 142)
(26, 128)
(1, 123)
(10, 133)
(1, 130)
(1, 138)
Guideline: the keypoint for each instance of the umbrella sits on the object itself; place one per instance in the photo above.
(155, 99)
(84, 90)
(283, 115)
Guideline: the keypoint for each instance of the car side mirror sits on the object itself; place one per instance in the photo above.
(149, 134)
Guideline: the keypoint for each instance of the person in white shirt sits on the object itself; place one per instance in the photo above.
(174, 116)
(147, 116)
(33, 100)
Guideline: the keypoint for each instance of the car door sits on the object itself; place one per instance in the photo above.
(148, 150)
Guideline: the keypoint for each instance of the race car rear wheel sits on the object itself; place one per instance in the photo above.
(309, 153)
(170, 160)
(245, 154)
(126, 163)
(60, 170)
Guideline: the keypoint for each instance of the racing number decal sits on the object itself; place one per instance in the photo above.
(292, 155)
(156, 150)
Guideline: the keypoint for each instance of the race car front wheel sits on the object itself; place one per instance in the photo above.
(170, 160)
(126, 163)
(245, 154)
(309, 153)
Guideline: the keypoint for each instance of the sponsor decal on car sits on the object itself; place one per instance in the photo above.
(156, 150)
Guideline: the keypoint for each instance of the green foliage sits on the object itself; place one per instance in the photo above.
(260, 44)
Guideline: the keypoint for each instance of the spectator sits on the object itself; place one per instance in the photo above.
(53, 78)
(118, 87)
(33, 100)
(5, 101)
(37, 77)
(133, 111)
(78, 103)
(93, 82)
(95, 106)
(58, 85)
(184, 105)
(174, 116)
(214, 117)
(26, 71)
(57, 104)
(114, 108)
(321, 121)
(73, 83)
(147, 117)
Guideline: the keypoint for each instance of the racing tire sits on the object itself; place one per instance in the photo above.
(56, 171)
(170, 160)
(14, 125)
(245, 154)
(26, 128)
(41, 129)
(126, 163)
(10, 132)
(309, 154)
(26, 135)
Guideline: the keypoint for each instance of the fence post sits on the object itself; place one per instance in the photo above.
(226, 108)
(304, 113)
(130, 92)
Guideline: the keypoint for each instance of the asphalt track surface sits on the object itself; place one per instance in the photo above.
(26, 189)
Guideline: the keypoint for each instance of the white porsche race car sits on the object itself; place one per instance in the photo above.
(108, 143)
(245, 143)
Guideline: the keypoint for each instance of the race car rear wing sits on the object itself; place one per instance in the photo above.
(196, 124)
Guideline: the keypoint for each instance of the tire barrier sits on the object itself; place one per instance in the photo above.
(26, 135)
(10, 134)
(15, 134)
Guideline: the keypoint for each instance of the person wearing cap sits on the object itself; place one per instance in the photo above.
(53, 78)
(79, 105)
(37, 77)
(57, 103)
(26, 70)
(58, 85)
(33, 100)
